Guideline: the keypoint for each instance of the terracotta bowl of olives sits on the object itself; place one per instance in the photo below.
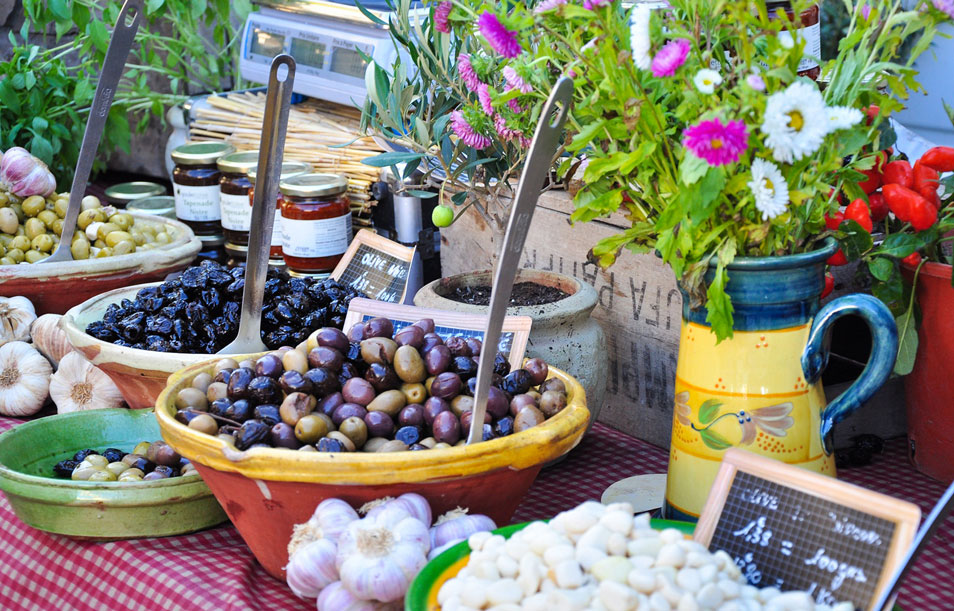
(32, 453)
(276, 434)
(58, 287)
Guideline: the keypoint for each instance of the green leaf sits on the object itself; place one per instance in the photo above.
(881, 268)
(374, 18)
(719, 306)
(459, 198)
(41, 148)
(153, 6)
(98, 34)
(907, 342)
(714, 440)
(582, 139)
(387, 159)
(60, 9)
(709, 410)
(949, 110)
(709, 190)
(855, 240)
(9, 97)
(692, 169)
(899, 245)
(40, 124)
(196, 8)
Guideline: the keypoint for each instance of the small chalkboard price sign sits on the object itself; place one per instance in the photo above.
(376, 266)
(513, 338)
(797, 530)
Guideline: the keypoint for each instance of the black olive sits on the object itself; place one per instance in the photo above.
(488, 433)
(250, 433)
(220, 406)
(219, 278)
(464, 366)
(264, 389)
(185, 416)
(159, 325)
(270, 319)
(131, 327)
(503, 426)
(101, 332)
(267, 414)
(239, 381)
(517, 382)
(293, 381)
(196, 314)
(323, 381)
(224, 375)
(237, 287)
(354, 352)
(210, 298)
(408, 434)
(111, 314)
(336, 321)
(113, 454)
(194, 277)
(157, 344)
(64, 468)
(326, 444)
(297, 285)
(240, 410)
(381, 377)
(273, 286)
(501, 364)
(144, 464)
(79, 456)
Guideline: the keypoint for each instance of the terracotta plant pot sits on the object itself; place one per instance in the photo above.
(58, 287)
(266, 491)
(930, 386)
(563, 334)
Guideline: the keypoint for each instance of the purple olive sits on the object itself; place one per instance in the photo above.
(292, 381)
(251, 433)
(434, 406)
(458, 346)
(497, 404)
(323, 381)
(382, 377)
(431, 340)
(517, 382)
(466, 417)
(267, 413)
(269, 365)
(475, 345)
(437, 359)
(521, 401)
(264, 390)
(446, 385)
(464, 366)
(410, 336)
(223, 375)
(378, 327)
(347, 410)
(332, 338)
(538, 371)
(553, 384)
(238, 383)
(446, 428)
(240, 410)
(501, 364)
(425, 324)
(283, 436)
(326, 357)
(379, 424)
(358, 390)
(411, 415)
(329, 404)
(356, 333)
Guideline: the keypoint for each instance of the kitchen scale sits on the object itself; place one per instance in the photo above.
(327, 40)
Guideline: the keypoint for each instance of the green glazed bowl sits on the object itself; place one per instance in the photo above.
(422, 595)
(98, 510)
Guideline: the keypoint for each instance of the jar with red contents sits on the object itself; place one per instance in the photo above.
(316, 222)
(195, 184)
(289, 169)
(810, 32)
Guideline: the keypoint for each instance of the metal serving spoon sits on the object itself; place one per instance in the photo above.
(123, 34)
(274, 125)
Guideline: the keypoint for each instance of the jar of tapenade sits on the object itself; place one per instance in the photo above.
(810, 32)
(120, 195)
(195, 183)
(233, 194)
(316, 222)
(289, 169)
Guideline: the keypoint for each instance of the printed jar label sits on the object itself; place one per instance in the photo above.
(197, 203)
(318, 238)
(812, 37)
(236, 212)
(277, 230)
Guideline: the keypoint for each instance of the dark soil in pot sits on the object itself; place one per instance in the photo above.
(523, 294)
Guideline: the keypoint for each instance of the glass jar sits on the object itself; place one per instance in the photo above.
(316, 222)
(810, 31)
(195, 183)
(159, 205)
(289, 169)
(120, 195)
(213, 249)
(233, 195)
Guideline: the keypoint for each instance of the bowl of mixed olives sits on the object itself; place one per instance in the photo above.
(102, 474)
(376, 412)
(109, 248)
(141, 334)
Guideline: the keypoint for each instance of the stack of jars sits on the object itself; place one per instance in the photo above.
(195, 185)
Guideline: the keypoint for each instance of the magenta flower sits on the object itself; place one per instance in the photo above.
(503, 130)
(500, 38)
(718, 144)
(441, 13)
(515, 81)
(483, 95)
(755, 82)
(594, 4)
(466, 71)
(515, 106)
(525, 142)
(670, 57)
(865, 10)
(547, 5)
(945, 6)
(466, 132)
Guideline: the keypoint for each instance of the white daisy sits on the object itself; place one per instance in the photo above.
(639, 36)
(707, 80)
(770, 189)
(842, 117)
(795, 122)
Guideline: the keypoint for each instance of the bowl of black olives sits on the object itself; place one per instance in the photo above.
(377, 412)
(102, 474)
(140, 334)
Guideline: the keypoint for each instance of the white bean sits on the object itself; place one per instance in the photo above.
(642, 581)
(671, 555)
(504, 591)
(644, 547)
(487, 570)
(687, 603)
(730, 589)
(658, 602)
(557, 554)
(516, 548)
(618, 521)
(476, 541)
(616, 544)
(451, 589)
(612, 568)
(669, 589)
(671, 535)
(617, 597)
(767, 594)
(567, 574)
(708, 573)
(689, 580)
(474, 594)
(709, 596)
(507, 566)
(588, 556)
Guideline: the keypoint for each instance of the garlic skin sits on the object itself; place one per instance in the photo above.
(457, 525)
(49, 338)
(413, 504)
(24, 379)
(23, 174)
(330, 519)
(336, 597)
(312, 568)
(16, 316)
(79, 385)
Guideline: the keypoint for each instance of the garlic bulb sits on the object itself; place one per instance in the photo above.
(49, 339)
(378, 556)
(24, 379)
(336, 597)
(413, 504)
(457, 525)
(79, 385)
(23, 174)
(16, 315)
(330, 519)
(312, 568)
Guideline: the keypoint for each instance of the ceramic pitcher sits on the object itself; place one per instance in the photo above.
(761, 390)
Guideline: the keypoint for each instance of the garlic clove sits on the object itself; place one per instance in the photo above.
(24, 379)
(23, 174)
(16, 316)
(49, 338)
(79, 385)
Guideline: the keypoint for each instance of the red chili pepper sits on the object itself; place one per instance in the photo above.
(871, 184)
(872, 112)
(898, 172)
(829, 285)
(930, 193)
(913, 259)
(879, 208)
(833, 222)
(899, 200)
(838, 258)
(858, 211)
(923, 213)
(924, 176)
(941, 158)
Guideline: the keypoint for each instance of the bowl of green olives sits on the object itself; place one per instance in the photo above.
(99, 474)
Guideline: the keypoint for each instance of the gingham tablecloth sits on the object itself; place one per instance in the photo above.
(214, 570)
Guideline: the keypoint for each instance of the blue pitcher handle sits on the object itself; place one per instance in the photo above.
(884, 350)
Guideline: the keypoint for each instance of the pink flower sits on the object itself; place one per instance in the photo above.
(548, 5)
(483, 95)
(772, 420)
(515, 106)
(466, 71)
(865, 10)
(500, 38)
(441, 13)
(594, 4)
(466, 132)
(515, 81)
(670, 57)
(718, 144)
(505, 132)
(525, 142)
(945, 6)
(755, 82)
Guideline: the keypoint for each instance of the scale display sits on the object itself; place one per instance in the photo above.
(348, 62)
(308, 53)
(267, 43)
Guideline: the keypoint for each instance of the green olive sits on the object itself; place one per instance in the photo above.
(6, 239)
(344, 439)
(204, 423)
(32, 256)
(141, 448)
(80, 249)
(3, 250)
(7, 261)
(60, 206)
(102, 476)
(131, 473)
(43, 243)
(408, 365)
(93, 215)
(99, 243)
(90, 201)
(34, 205)
(124, 247)
(4, 198)
(163, 238)
(374, 443)
(48, 217)
(123, 219)
(97, 460)
(8, 221)
(82, 473)
(390, 402)
(103, 253)
(310, 428)
(138, 237)
(295, 360)
(21, 242)
(34, 227)
(192, 397)
(354, 429)
(414, 393)
(117, 467)
(116, 237)
(105, 229)
(57, 227)
(18, 210)
(16, 254)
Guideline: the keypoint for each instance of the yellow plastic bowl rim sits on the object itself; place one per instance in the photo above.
(535, 446)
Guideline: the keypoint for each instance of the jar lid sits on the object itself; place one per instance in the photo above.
(289, 169)
(128, 191)
(238, 163)
(307, 185)
(159, 205)
(211, 241)
(201, 153)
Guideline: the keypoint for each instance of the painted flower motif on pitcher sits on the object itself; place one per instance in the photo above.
(774, 420)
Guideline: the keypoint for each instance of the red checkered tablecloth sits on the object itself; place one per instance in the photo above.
(214, 570)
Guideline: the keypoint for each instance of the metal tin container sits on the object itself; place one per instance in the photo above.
(159, 205)
(122, 194)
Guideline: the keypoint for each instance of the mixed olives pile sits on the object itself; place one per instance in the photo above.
(147, 461)
(372, 390)
(199, 311)
(30, 229)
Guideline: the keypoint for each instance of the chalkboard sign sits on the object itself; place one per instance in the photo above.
(513, 338)
(376, 266)
(797, 530)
